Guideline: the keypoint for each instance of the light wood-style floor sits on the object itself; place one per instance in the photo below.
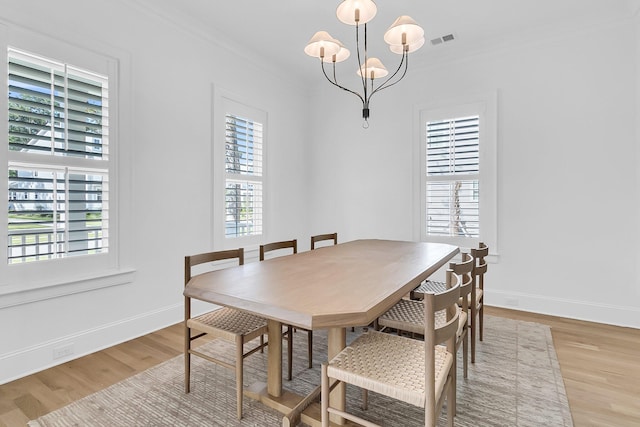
(600, 365)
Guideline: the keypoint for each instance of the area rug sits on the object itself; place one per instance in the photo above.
(515, 381)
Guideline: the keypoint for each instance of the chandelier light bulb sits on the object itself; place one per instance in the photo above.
(373, 69)
(342, 54)
(399, 49)
(322, 45)
(353, 12)
(403, 31)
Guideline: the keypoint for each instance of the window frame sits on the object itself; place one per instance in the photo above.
(444, 172)
(35, 281)
(225, 102)
(245, 173)
(62, 165)
(484, 106)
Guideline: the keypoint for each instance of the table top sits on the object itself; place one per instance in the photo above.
(349, 284)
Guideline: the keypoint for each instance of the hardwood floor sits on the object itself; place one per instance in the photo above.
(600, 365)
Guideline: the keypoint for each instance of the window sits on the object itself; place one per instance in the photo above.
(66, 109)
(58, 160)
(457, 146)
(244, 179)
(452, 179)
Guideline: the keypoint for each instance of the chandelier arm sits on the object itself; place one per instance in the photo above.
(336, 83)
(363, 77)
(379, 88)
(386, 84)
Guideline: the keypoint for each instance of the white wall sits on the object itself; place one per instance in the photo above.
(167, 173)
(567, 160)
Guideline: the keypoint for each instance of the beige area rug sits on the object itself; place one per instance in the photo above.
(515, 381)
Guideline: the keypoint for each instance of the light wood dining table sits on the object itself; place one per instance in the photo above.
(333, 288)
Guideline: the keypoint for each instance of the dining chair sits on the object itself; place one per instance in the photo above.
(407, 315)
(377, 361)
(293, 245)
(225, 323)
(322, 237)
(476, 298)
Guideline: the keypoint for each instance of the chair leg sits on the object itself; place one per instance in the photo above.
(481, 319)
(430, 415)
(451, 395)
(452, 403)
(187, 362)
(187, 346)
(261, 343)
(474, 327)
(365, 399)
(290, 352)
(465, 354)
(239, 374)
(324, 396)
(310, 348)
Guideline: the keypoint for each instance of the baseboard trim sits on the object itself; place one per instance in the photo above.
(625, 316)
(33, 359)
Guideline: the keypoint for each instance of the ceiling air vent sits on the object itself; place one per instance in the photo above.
(444, 39)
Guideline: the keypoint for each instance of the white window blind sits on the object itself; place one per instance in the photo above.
(243, 176)
(58, 120)
(452, 177)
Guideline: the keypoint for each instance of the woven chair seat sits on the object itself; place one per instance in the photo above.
(436, 287)
(432, 286)
(408, 315)
(390, 365)
(228, 323)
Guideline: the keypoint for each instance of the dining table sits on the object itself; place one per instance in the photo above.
(333, 288)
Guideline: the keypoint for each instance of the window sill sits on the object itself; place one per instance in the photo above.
(14, 295)
(465, 244)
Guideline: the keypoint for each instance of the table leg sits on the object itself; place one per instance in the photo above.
(274, 357)
(336, 342)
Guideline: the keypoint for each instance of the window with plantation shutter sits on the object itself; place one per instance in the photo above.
(452, 177)
(58, 159)
(457, 193)
(243, 176)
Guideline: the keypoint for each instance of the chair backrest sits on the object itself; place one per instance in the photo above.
(464, 269)
(193, 260)
(321, 237)
(447, 300)
(480, 263)
(278, 245)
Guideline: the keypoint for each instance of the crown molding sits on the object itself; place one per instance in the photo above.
(189, 27)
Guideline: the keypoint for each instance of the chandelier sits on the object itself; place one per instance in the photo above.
(404, 36)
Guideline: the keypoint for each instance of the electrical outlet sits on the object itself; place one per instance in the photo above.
(63, 351)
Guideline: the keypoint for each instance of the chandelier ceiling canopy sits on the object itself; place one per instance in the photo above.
(403, 37)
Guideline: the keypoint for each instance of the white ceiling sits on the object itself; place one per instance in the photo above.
(275, 32)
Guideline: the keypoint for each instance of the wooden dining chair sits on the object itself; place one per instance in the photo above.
(225, 323)
(323, 237)
(293, 245)
(377, 361)
(407, 315)
(476, 298)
